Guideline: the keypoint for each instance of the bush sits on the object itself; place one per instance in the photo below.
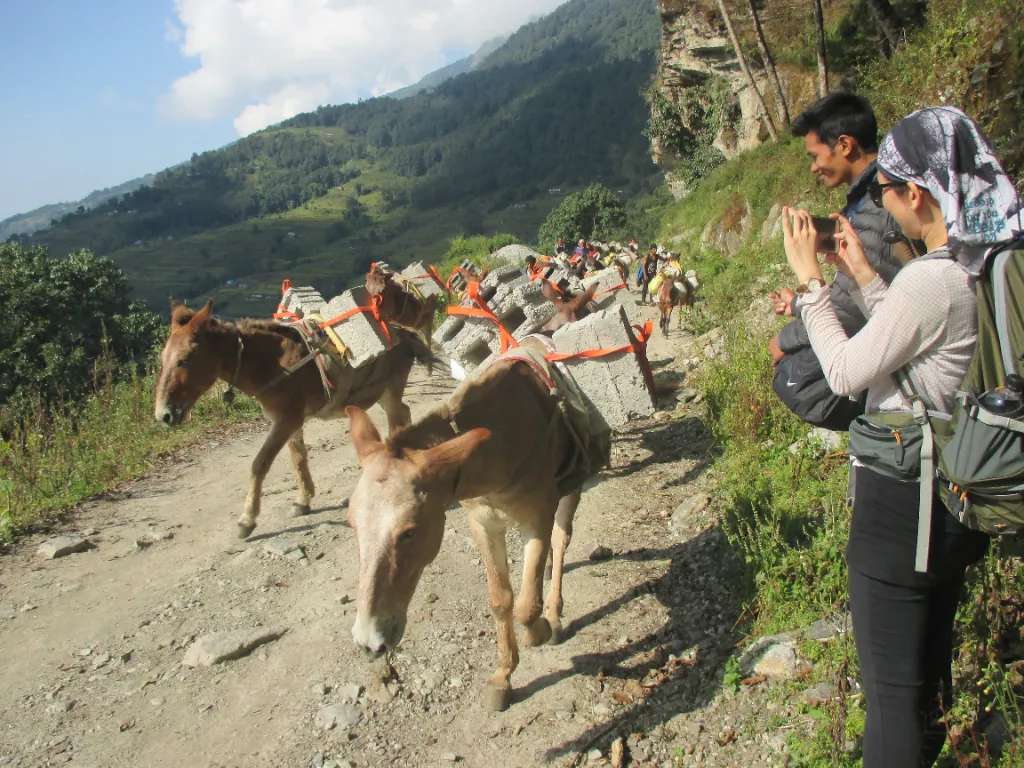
(595, 212)
(62, 316)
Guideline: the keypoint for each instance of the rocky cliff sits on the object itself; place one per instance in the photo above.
(701, 86)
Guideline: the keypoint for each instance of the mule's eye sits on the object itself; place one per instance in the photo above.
(183, 363)
(407, 535)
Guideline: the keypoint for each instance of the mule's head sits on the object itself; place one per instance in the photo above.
(397, 511)
(188, 364)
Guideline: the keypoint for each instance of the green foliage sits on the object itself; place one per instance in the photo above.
(595, 212)
(61, 453)
(963, 59)
(62, 316)
(687, 129)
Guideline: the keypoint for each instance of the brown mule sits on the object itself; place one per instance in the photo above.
(670, 297)
(400, 305)
(497, 446)
(567, 309)
(252, 355)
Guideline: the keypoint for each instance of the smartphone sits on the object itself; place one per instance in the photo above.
(825, 234)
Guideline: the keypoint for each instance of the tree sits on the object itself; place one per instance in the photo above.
(819, 25)
(594, 212)
(766, 115)
(769, 63)
(63, 316)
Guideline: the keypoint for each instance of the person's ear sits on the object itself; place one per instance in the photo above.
(915, 196)
(846, 146)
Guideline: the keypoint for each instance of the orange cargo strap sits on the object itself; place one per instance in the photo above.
(282, 313)
(373, 309)
(431, 275)
(643, 333)
(482, 310)
(612, 289)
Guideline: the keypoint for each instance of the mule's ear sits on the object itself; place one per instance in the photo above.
(365, 436)
(445, 459)
(200, 318)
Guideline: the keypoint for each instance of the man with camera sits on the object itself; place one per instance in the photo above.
(840, 135)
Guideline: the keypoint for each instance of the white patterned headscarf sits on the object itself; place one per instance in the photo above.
(942, 150)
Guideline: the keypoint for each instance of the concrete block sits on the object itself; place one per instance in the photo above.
(422, 279)
(606, 297)
(514, 255)
(360, 333)
(614, 384)
(303, 300)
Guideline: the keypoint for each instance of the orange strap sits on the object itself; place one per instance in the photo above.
(431, 275)
(613, 289)
(282, 313)
(642, 335)
(482, 310)
(373, 309)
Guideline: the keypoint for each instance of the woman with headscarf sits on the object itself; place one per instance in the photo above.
(938, 177)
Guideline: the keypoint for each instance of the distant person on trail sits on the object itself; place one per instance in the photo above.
(581, 249)
(650, 267)
(560, 245)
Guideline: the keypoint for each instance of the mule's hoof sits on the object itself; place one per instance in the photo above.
(244, 529)
(538, 633)
(557, 634)
(497, 699)
(298, 510)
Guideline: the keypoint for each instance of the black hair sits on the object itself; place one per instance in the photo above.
(838, 114)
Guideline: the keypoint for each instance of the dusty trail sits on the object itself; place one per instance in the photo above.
(92, 644)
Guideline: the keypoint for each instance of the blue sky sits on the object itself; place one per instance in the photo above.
(97, 93)
(81, 84)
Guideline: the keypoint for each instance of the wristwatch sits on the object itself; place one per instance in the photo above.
(811, 285)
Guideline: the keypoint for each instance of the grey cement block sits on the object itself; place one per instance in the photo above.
(514, 255)
(615, 384)
(361, 333)
(303, 300)
(605, 280)
(422, 279)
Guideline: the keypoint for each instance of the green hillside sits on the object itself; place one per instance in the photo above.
(558, 106)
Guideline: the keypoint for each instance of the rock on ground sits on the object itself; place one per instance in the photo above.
(226, 646)
(60, 546)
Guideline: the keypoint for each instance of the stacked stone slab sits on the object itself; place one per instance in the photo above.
(607, 295)
(513, 254)
(516, 301)
(303, 300)
(425, 283)
(615, 385)
(361, 334)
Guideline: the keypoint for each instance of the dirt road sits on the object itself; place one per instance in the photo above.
(92, 644)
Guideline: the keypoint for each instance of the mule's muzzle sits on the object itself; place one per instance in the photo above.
(170, 416)
(378, 635)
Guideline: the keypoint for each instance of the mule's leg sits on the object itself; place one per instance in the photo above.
(561, 536)
(488, 529)
(398, 413)
(280, 431)
(304, 480)
(528, 603)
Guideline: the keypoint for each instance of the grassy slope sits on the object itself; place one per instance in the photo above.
(788, 517)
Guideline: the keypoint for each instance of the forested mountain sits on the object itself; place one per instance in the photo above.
(559, 105)
(456, 68)
(40, 218)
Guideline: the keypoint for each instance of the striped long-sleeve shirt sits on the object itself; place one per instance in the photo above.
(926, 318)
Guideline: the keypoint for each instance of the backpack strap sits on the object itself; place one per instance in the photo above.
(998, 276)
(927, 477)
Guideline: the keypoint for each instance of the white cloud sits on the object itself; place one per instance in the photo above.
(266, 60)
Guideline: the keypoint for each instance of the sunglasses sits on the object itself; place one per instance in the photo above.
(876, 190)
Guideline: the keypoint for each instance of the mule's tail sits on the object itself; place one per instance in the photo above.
(421, 350)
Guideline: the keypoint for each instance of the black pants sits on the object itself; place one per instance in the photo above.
(903, 621)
